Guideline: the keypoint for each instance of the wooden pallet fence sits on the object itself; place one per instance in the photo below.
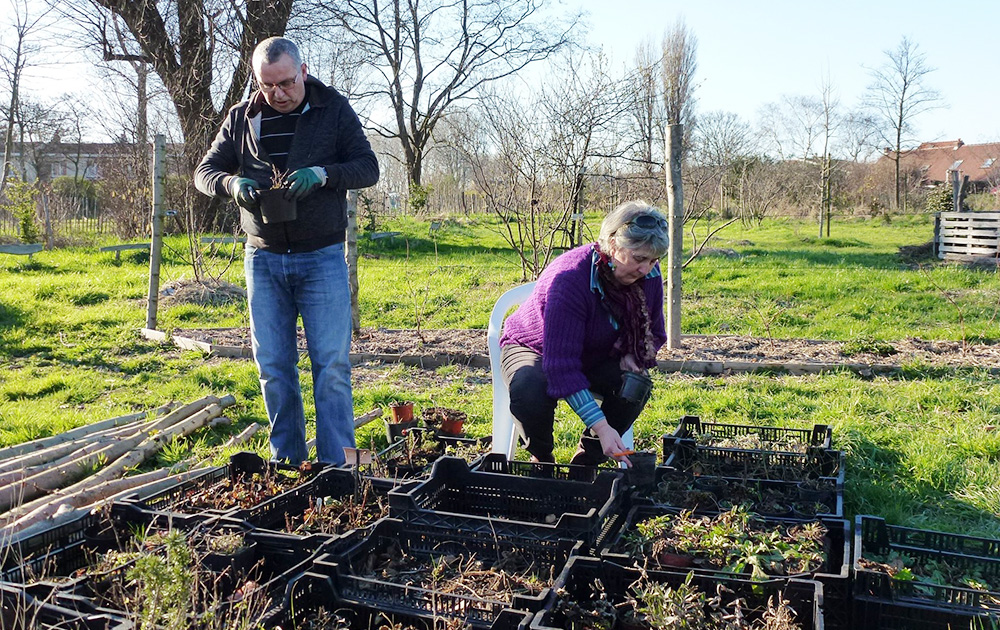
(966, 236)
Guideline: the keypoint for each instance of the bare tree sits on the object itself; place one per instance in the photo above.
(829, 125)
(679, 64)
(193, 47)
(793, 127)
(582, 108)
(759, 186)
(503, 143)
(858, 131)
(898, 94)
(429, 55)
(14, 59)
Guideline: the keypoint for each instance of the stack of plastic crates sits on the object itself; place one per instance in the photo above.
(456, 498)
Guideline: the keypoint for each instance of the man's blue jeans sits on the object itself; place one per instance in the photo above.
(280, 287)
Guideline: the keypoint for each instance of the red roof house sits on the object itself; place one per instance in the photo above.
(936, 161)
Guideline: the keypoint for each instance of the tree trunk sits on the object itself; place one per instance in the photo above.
(675, 199)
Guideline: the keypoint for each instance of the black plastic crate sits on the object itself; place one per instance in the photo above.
(880, 614)
(710, 495)
(391, 461)
(21, 611)
(332, 484)
(165, 504)
(771, 438)
(310, 592)
(883, 594)
(54, 555)
(498, 463)
(44, 554)
(836, 564)
(455, 497)
(581, 573)
(688, 456)
(346, 570)
(266, 566)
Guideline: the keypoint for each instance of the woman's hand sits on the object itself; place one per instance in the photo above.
(629, 364)
(611, 442)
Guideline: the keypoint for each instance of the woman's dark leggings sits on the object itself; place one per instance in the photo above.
(534, 410)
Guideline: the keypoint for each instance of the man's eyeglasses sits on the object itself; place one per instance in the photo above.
(648, 222)
(285, 85)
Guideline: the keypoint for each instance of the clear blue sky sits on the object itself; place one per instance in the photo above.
(751, 52)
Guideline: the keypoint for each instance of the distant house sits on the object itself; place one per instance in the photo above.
(46, 161)
(936, 161)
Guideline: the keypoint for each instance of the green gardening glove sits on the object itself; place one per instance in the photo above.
(243, 190)
(303, 181)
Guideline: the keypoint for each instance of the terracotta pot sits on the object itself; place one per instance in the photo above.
(274, 208)
(401, 412)
(452, 426)
(668, 559)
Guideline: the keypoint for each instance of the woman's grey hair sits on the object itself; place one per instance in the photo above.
(272, 48)
(628, 235)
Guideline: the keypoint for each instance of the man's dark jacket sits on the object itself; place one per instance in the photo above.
(328, 134)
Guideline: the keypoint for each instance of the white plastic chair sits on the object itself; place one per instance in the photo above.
(505, 433)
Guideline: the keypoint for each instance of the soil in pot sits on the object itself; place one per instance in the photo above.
(401, 411)
(274, 208)
(444, 420)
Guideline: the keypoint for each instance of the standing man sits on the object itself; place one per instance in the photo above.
(295, 124)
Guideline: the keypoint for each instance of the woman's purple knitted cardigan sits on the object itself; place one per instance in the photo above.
(565, 322)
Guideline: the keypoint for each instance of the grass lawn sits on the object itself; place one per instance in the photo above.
(918, 450)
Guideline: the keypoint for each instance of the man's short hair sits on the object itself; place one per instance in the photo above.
(272, 48)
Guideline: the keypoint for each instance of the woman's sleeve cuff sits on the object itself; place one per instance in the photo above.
(583, 403)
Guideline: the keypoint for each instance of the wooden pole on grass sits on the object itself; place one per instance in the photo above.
(675, 199)
(152, 299)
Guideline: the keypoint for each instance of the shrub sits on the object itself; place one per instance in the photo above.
(21, 204)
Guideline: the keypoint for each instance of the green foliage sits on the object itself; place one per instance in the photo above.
(866, 344)
(165, 583)
(419, 197)
(21, 198)
(74, 187)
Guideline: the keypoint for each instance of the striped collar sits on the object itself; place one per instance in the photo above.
(595, 280)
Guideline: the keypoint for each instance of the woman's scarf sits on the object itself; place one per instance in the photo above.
(627, 304)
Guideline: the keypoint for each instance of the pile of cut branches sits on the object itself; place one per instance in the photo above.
(50, 481)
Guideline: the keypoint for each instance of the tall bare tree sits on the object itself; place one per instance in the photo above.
(898, 94)
(679, 64)
(14, 58)
(194, 46)
(429, 55)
